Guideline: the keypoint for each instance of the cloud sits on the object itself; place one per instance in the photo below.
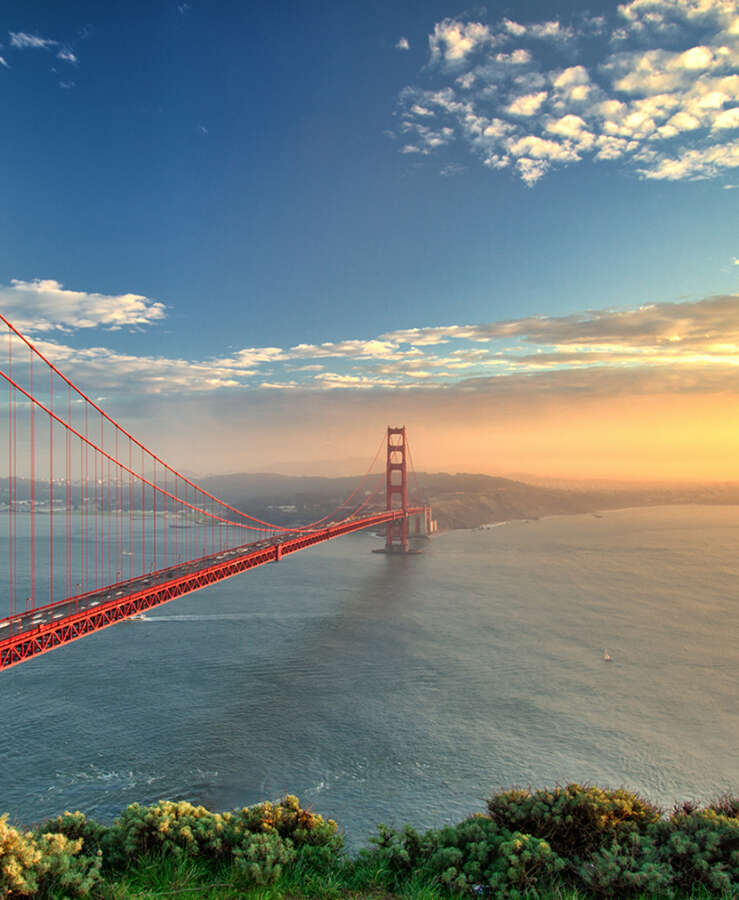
(491, 384)
(729, 118)
(550, 30)
(514, 390)
(45, 305)
(696, 342)
(453, 41)
(451, 169)
(354, 349)
(4, 63)
(113, 371)
(21, 41)
(403, 44)
(695, 325)
(693, 164)
(660, 95)
(527, 105)
(67, 55)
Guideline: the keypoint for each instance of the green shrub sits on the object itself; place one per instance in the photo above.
(260, 858)
(701, 847)
(20, 860)
(182, 829)
(525, 864)
(76, 826)
(289, 820)
(574, 820)
(625, 868)
(476, 854)
(466, 854)
(396, 854)
(64, 868)
(31, 864)
(171, 828)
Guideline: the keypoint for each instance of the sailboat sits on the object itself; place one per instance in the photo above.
(607, 656)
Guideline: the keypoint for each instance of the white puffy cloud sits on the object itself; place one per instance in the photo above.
(527, 105)
(729, 118)
(102, 369)
(514, 28)
(518, 57)
(45, 305)
(569, 126)
(452, 40)
(669, 16)
(570, 77)
(550, 30)
(662, 99)
(403, 44)
(703, 163)
(539, 148)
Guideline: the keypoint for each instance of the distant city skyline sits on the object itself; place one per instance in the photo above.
(259, 234)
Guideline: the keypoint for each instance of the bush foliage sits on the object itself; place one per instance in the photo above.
(574, 820)
(602, 843)
(32, 864)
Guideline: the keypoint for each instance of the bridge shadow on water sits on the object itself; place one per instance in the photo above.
(321, 691)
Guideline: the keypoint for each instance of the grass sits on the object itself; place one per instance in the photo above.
(162, 876)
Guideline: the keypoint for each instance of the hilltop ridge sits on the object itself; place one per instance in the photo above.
(460, 500)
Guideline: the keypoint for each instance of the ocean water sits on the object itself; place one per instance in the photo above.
(383, 689)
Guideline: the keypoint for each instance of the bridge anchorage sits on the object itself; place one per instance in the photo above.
(97, 529)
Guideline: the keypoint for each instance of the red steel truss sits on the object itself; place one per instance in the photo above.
(42, 638)
(100, 528)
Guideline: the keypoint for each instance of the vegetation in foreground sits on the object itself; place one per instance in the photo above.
(568, 843)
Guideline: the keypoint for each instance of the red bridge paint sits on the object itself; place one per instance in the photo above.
(33, 642)
(121, 529)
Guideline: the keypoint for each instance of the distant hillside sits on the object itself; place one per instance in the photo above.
(459, 501)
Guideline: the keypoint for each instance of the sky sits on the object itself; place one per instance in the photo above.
(258, 233)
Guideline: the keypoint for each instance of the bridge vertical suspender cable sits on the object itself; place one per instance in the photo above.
(123, 531)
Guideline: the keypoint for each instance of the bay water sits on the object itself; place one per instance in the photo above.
(404, 689)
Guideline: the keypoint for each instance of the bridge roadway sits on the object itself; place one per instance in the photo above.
(44, 615)
(44, 628)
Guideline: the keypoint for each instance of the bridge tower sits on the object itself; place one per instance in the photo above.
(396, 490)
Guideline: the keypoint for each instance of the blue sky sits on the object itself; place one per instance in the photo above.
(250, 207)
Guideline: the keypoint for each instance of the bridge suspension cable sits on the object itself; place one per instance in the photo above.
(152, 456)
(114, 510)
(419, 490)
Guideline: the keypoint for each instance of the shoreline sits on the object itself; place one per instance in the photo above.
(599, 513)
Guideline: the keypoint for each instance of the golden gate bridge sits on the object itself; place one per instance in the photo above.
(100, 529)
